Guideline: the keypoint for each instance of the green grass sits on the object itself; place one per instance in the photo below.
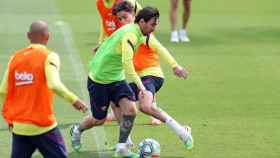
(231, 98)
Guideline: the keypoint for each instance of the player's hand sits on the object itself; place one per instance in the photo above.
(180, 72)
(142, 93)
(81, 106)
(94, 50)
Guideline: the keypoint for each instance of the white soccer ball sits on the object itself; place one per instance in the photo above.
(149, 148)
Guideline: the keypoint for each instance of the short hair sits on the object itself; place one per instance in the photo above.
(123, 6)
(147, 14)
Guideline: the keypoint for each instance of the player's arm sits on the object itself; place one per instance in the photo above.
(102, 34)
(167, 57)
(162, 51)
(136, 5)
(139, 7)
(3, 86)
(128, 47)
(4, 83)
(52, 66)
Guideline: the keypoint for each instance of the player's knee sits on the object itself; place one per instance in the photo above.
(145, 109)
(97, 122)
(132, 110)
(128, 107)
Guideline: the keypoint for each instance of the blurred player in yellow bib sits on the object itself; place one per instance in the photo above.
(147, 64)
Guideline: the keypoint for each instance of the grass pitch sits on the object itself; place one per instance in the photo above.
(231, 98)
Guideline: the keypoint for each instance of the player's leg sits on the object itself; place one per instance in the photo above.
(111, 116)
(147, 106)
(22, 147)
(173, 20)
(118, 115)
(99, 101)
(187, 13)
(126, 125)
(77, 129)
(151, 109)
(124, 97)
(185, 18)
(117, 112)
(153, 120)
(51, 144)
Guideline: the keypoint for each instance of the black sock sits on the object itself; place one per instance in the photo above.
(125, 127)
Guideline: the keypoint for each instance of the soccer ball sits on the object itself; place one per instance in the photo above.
(149, 148)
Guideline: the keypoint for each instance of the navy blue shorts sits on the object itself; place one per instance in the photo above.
(151, 83)
(102, 94)
(49, 144)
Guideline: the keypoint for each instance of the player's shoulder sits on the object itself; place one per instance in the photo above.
(52, 53)
(132, 37)
(53, 59)
(53, 56)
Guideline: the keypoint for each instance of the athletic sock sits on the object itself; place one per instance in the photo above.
(125, 127)
(178, 129)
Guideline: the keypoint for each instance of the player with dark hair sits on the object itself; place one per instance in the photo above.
(110, 69)
(109, 24)
(147, 65)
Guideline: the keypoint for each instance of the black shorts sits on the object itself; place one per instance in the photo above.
(102, 94)
(151, 83)
(50, 144)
